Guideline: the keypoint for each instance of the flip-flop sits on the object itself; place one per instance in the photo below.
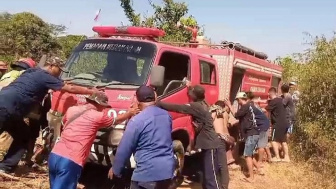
(286, 160)
(260, 172)
(246, 180)
(275, 160)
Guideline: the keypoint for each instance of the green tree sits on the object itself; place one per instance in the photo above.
(25, 34)
(315, 132)
(165, 17)
(291, 68)
(69, 42)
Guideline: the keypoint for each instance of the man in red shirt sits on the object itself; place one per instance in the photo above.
(81, 124)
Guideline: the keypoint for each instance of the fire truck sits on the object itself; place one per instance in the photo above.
(120, 59)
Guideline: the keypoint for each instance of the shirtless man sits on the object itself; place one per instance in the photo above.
(220, 114)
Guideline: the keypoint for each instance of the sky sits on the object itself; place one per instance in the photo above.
(275, 27)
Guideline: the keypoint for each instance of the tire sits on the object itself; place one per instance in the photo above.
(179, 155)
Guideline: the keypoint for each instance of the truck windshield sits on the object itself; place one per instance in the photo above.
(110, 62)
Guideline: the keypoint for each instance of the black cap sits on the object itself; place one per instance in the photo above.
(197, 92)
(145, 94)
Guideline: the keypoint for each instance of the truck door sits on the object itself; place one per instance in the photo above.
(177, 67)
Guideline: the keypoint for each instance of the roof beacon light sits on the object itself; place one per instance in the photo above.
(128, 31)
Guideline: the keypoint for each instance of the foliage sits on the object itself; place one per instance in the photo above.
(130, 13)
(292, 68)
(25, 34)
(69, 42)
(315, 134)
(165, 17)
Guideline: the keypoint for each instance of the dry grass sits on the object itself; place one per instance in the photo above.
(278, 176)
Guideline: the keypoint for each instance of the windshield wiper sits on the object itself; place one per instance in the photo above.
(116, 83)
(83, 78)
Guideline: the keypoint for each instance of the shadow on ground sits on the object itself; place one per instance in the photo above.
(95, 176)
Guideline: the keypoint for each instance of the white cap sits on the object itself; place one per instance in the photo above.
(241, 95)
(292, 83)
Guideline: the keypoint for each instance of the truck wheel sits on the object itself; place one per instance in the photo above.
(179, 158)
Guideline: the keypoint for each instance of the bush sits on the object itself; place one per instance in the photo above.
(315, 134)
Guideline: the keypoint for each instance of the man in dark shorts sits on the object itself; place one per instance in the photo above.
(19, 97)
(213, 150)
(280, 124)
(290, 108)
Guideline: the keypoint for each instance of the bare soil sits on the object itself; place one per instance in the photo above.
(278, 175)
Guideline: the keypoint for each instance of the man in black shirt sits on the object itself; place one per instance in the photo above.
(279, 122)
(213, 150)
(249, 130)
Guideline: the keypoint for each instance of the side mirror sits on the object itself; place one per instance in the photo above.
(157, 76)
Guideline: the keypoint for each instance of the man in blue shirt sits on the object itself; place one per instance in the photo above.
(148, 137)
(19, 98)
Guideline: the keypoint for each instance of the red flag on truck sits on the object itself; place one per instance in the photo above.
(97, 15)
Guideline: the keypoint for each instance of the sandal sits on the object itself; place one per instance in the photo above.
(247, 180)
(275, 160)
(260, 172)
(286, 160)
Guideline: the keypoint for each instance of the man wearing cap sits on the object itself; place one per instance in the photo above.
(295, 92)
(249, 130)
(19, 97)
(148, 137)
(18, 68)
(213, 149)
(81, 124)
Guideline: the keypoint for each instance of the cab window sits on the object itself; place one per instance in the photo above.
(208, 73)
(176, 69)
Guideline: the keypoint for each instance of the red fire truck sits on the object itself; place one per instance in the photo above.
(121, 59)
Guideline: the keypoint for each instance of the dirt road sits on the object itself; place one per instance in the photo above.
(284, 176)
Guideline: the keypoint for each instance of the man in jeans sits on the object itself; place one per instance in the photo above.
(263, 124)
(213, 150)
(249, 130)
(148, 136)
